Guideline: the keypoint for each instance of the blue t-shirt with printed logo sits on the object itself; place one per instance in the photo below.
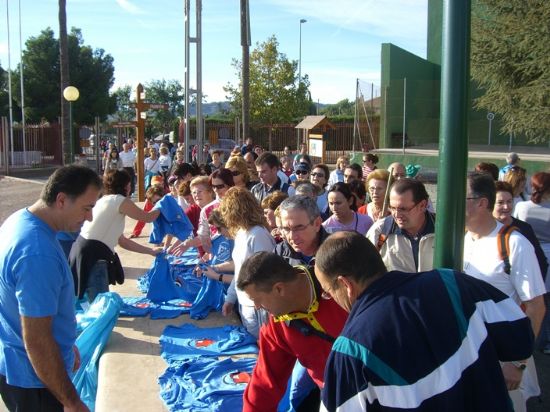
(35, 281)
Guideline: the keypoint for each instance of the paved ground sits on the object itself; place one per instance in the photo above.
(131, 363)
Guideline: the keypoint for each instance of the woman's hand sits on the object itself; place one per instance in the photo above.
(227, 308)
(178, 248)
(156, 250)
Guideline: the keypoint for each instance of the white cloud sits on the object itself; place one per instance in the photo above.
(391, 19)
(129, 7)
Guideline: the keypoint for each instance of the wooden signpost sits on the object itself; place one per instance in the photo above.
(141, 107)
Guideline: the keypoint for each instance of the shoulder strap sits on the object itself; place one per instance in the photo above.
(503, 245)
(386, 229)
(306, 329)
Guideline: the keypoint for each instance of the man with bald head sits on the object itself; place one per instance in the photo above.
(397, 170)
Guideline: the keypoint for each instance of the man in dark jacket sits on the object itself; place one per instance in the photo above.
(432, 342)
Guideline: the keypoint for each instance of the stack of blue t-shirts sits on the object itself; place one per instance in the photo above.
(211, 296)
(168, 281)
(187, 341)
(206, 384)
(196, 380)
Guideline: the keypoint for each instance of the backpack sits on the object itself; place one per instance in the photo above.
(503, 245)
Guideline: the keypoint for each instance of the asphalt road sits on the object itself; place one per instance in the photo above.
(18, 193)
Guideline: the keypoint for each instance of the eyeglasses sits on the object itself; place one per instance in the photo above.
(218, 187)
(301, 172)
(299, 228)
(315, 174)
(402, 210)
(325, 294)
(235, 173)
(376, 189)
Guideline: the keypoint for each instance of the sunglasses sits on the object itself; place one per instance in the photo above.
(235, 173)
(301, 172)
(314, 174)
(219, 186)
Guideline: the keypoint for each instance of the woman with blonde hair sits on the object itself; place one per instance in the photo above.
(246, 223)
(377, 187)
(337, 175)
(239, 170)
(517, 177)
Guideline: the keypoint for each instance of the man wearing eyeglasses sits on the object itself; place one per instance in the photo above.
(431, 342)
(302, 326)
(405, 239)
(267, 166)
(522, 281)
(301, 229)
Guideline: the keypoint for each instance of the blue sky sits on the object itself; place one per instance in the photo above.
(340, 40)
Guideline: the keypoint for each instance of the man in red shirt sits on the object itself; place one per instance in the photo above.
(302, 326)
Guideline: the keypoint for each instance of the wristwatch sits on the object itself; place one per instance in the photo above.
(520, 365)
(221, 277)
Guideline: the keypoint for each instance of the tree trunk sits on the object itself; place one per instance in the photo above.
(65, 81)
(245, 69)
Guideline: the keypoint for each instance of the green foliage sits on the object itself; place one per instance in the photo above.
(164, 91)
(342, 108)
(124, 111)
(510, 61)
(4, 107)
(91, 72)
(275, 96)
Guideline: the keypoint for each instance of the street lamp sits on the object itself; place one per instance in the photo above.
(71, 94)
(300, 54)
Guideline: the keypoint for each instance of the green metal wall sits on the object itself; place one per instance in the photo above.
(423, 95)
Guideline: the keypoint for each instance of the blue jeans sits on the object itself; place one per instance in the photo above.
(98, 280)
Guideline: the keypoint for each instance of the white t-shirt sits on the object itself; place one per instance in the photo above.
(537, 215)
(108, 223)
(151, 165)
(128, 158)
(247, 242)
(482, 261)
(165, 162)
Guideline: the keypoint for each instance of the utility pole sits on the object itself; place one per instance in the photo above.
(245, 69)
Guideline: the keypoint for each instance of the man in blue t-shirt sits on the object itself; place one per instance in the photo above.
(37, 291)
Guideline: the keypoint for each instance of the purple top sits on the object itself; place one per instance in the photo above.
(360, 223)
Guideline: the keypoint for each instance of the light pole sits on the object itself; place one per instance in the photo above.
(71, 94)
(302, 21)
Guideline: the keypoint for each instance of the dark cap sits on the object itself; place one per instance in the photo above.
(303, 167)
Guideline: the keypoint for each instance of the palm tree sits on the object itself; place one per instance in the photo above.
(65, 80)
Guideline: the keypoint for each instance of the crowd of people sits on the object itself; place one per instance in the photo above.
(323, 273)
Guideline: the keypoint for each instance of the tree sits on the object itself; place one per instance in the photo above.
(124, 110)
(169, 92)
(343, 107)
(4, 107)
(64, 82)
(90, 70)
(275, 96)
(511, 63)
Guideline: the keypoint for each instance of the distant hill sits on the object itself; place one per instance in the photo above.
(209, 109)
